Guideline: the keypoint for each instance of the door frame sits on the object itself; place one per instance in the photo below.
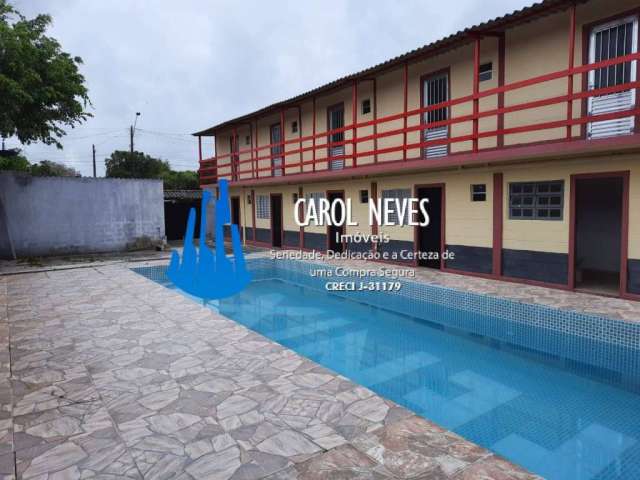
(624, 233)
(328, 192)
(271, 195)
(416, 228)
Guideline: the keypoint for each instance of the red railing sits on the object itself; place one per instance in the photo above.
(250, 168)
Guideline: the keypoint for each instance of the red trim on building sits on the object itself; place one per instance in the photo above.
(501, 75)
(572, 48)
(314, 135)
(354, 123)
(476, 90)
(283, 144)
(545, 150)
(300, 214)
(498, 212)
(405, 91)
(253, 213)
(580, 121)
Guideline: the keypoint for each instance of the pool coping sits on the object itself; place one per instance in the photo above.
(574, 301)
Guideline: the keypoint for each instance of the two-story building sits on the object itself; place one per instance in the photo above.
(523, 132)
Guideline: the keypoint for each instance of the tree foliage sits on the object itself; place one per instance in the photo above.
(47, 168)
(11, 160)
(41, 89)
(123, 164)
(14, 163)
(186, 180)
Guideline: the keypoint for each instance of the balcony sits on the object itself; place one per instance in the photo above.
(444, 134)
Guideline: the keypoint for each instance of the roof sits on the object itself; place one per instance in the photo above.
(462, 37)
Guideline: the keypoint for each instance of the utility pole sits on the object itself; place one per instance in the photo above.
(94, 160)
(132, 131)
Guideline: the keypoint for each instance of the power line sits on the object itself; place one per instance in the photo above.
(159, 132)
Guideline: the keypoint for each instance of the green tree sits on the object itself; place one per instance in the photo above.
(15, 163)
(47, 168)
(123, 164)
(186, 180)
(41, 89)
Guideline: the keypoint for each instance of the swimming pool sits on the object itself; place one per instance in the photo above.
(556, 392)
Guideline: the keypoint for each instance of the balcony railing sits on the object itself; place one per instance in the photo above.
(314, 152)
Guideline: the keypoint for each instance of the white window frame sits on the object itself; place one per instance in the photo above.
(592, 73)
(436, 133)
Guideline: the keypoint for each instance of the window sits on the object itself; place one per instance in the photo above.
(335, 120)
(366, 106)
(608, 41)
(479, 192)
(400, 194)
(294, 127)
(263, 206)
(536, 200)
(276, 151)
(313, 197)
(435, 90)
(364, 196)
(485, 71)
(249, 198)
(294, 198)
(247, 140)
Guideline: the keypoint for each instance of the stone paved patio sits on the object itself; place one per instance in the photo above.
(105, 374)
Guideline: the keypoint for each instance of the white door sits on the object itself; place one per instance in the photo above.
(436, 90)
(611, 40)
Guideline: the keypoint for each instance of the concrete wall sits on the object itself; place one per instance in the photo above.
(62, 215)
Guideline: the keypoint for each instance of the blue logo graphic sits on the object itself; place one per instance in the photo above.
(201, 273)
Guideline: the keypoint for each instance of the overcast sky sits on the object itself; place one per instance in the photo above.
(186, 65)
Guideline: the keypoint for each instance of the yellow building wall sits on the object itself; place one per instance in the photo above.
(471, 223)
(553, 235)
(531, 49)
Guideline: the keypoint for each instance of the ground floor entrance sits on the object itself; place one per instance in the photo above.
(598, 224)
(429, 239)
(276, 220)
(235, 214)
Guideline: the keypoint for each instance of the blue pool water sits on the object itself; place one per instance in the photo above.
(555, 417)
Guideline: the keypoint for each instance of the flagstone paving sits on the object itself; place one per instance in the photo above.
(112, 376)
